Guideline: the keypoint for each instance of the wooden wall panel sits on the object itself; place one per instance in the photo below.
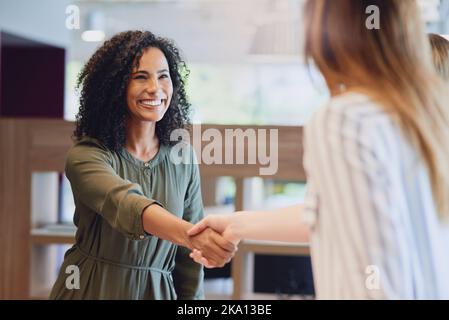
(14, 210)
(25, 146)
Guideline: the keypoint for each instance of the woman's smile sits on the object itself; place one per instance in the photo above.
(151, 104)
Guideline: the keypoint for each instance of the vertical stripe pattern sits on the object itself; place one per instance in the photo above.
(375, 229)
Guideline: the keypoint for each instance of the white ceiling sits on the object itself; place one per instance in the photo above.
(211, 30)
(206, 30)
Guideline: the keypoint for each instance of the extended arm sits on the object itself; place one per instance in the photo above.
(276, 225)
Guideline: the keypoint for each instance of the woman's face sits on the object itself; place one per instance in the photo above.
(150, 88)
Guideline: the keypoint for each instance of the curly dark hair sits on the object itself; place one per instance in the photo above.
(104, 80)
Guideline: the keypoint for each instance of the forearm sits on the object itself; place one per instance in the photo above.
(162, 224)
(277, 225)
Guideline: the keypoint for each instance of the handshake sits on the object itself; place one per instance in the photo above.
(213, 240)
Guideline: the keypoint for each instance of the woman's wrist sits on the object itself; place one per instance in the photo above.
(185, 239)
(162, 224)
(234, 229)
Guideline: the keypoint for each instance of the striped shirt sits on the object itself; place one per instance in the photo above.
(375, 229)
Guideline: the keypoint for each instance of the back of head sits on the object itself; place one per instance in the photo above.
(380, 47)
(349, 50)
(440, 52)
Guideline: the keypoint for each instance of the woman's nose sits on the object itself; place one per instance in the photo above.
(153, 85)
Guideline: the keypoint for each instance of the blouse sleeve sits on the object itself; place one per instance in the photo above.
(188, 275)
(95, 183)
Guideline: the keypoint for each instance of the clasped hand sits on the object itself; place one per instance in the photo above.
(222, 243)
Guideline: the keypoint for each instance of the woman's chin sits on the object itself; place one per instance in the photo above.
(151, 116)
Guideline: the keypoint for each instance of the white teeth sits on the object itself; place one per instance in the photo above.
(152, 103)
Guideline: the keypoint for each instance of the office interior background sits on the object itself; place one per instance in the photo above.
(245, 58)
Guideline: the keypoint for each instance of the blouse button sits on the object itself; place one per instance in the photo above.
(142, 237)
(146, 164)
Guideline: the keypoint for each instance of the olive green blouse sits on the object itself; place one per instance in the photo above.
(115, 257)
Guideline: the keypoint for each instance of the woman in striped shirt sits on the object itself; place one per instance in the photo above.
(376, 158)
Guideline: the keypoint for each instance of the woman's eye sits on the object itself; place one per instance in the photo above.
(139, 77)
(163, 76)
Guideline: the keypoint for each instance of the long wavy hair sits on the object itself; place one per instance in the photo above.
(393, 64)
(104, 80)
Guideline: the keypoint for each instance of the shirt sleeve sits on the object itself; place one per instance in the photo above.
(360, 174)
(188, 275)
(95, 183)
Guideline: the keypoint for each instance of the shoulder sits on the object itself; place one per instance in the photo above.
(88, 148)
(352, 107)
(352, 116)
(354, 127)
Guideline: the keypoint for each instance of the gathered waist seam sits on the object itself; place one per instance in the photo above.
(122, 265)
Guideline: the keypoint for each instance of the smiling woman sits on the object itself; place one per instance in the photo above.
(133, 205)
